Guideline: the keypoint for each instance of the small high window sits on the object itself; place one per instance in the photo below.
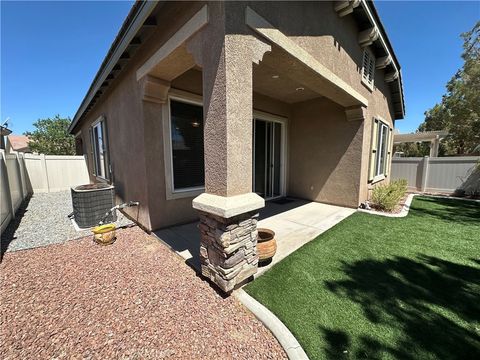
(368, 68)
(98, 138)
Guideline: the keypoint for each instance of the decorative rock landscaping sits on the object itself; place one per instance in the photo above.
(134, 299)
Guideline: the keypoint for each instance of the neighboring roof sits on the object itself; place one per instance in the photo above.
(419, 136)
(19, 142)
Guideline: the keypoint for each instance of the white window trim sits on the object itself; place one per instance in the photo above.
(381, 124)
(105, 136)
(190, 98)
(172, 193)
(368, 85)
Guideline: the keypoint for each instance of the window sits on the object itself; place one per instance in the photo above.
(368, 68)
(380, 155)
(186, 130)
(100, 149)
(382, 140)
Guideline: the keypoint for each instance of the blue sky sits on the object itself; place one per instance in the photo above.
(50, 52)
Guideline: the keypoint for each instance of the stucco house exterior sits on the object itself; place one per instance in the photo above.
(209, 109)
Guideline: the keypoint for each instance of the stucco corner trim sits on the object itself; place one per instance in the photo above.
(268, 31)
(196, 22)
(227, 207)
(154, 89)
(356, 113)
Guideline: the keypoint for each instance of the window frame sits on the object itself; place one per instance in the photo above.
(365, 79)
(101, 123)
(379, 173)
(171, 192)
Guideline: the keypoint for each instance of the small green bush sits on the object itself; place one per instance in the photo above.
(386, 197)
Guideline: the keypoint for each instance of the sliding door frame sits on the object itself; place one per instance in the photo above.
(260, 115)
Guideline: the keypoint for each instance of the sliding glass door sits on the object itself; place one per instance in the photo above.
(268, 158)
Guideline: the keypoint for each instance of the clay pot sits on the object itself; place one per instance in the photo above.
(266, 244)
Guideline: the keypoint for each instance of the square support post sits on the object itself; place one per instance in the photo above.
(228, 209)
(424, 182)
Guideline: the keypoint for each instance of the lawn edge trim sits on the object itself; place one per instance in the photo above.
(406, 207)
(402, 213)
(287, 341)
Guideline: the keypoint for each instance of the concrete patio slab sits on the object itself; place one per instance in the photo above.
(299, 225)
(295, 222)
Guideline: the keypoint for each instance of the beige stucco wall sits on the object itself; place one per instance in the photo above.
(133, 140)
(332, 40)
(325, 151)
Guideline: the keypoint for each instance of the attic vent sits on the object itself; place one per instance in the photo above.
(368, 68)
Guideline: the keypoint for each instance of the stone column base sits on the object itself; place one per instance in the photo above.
(228, 241)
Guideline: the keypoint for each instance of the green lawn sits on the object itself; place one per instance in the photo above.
(385, 288)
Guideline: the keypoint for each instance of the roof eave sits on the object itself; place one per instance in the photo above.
(372, 13)
(139, 13)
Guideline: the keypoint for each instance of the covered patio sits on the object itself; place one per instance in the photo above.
(247, 119)
(295, 222)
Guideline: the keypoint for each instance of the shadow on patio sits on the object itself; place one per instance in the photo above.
(294, 221)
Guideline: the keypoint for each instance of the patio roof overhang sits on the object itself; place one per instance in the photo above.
(289, 57)
(291, 61)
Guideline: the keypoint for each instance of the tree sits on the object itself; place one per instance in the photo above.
(412, 149)
(459, 110)
(51, 137)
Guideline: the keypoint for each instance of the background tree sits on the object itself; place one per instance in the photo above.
(459, 110)
(419, 149)
(51, 137)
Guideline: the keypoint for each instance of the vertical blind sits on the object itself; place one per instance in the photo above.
(187, 145)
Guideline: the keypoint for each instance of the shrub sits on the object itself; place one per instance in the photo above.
(386, 197)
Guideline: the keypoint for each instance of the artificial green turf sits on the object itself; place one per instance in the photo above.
(385, 288)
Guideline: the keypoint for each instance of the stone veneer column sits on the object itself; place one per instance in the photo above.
(228, 241)
(228, 208)
(228, 252)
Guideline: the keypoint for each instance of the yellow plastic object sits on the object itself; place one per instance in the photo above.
(104, 234)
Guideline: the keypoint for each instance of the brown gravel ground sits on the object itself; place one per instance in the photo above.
(134, 299)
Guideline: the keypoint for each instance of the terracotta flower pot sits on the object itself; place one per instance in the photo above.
(266, 244)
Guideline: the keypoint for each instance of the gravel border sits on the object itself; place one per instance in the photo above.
(134, 299)
(42, 220)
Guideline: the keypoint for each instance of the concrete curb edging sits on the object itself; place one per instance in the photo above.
(408, 202)
(402, 213)
(286, 339)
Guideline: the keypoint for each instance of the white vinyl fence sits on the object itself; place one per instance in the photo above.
(23, 174)
(438, 174)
